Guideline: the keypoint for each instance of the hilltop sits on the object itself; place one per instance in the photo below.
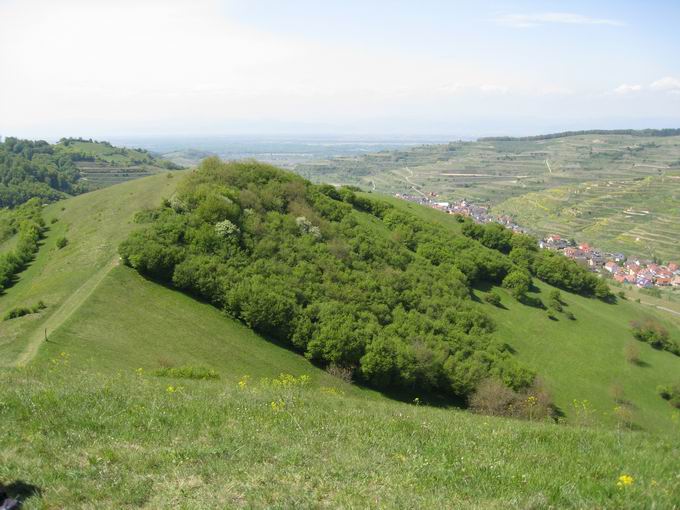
(141, 439)
(50, 172)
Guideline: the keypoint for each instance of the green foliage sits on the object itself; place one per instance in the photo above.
(546, 265)
(187, 372)
(15, 313)
(653, 333)
(20, 311)
(61, 242)
(492, 298)
(30, 230)
(670, 393)
(33, 169)
(518, 282)
(347, 280)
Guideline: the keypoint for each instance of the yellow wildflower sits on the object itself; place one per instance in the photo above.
(171, 389)
(624, 481)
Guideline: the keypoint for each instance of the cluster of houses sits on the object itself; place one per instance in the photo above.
(478, 213)
(635, 271)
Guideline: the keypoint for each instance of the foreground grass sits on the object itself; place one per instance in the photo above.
(88, 440)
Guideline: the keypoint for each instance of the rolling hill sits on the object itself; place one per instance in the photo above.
(87, 400)
(616, 190)
(101, 164)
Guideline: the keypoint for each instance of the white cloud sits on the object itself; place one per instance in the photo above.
(566, 18)
(667, 84)
(626, 88)
(491, 88)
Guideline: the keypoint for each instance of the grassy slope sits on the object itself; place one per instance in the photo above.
(129, 322)
(211, 445)
(94, 224)
(93, 441)
(584, 359)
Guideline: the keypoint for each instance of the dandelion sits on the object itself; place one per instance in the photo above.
(625, 481)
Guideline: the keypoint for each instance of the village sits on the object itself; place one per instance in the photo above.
(637, 271)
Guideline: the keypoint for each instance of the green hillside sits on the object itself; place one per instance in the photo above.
(633, 216)
(619, 191)
(101, 164)
(82, 405)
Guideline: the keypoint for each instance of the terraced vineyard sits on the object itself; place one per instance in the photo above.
(621, 192)
(637, 217)
(101, 164)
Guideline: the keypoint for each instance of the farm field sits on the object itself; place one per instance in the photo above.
(619, 191)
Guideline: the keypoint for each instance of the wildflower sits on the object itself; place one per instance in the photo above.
(277, 405)
(624, 481)
(140, 371)
(416, 401)
(171, 389)
(243, 382)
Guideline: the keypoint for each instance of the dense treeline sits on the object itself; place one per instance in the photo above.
(550, 136)
(30, 227)
(383, 294)
(33, 169)
(546, 265)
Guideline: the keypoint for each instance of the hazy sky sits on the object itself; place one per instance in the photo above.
(199, 67)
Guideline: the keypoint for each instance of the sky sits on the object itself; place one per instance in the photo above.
(99, 68)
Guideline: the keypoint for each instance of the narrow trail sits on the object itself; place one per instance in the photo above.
(547, 163)
(70, 305)
(661, 308)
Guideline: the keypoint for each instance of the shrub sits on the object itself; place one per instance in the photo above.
(15, 313)
(518, 282)
(670, 393)
(62, 242)
(187, 372)
(492, 298)
(493, 398)
(653, 333)
(632, 353)
(342, 373)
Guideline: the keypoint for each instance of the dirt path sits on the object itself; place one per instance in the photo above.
(547, 163)
(70, 305)
(661, 308)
